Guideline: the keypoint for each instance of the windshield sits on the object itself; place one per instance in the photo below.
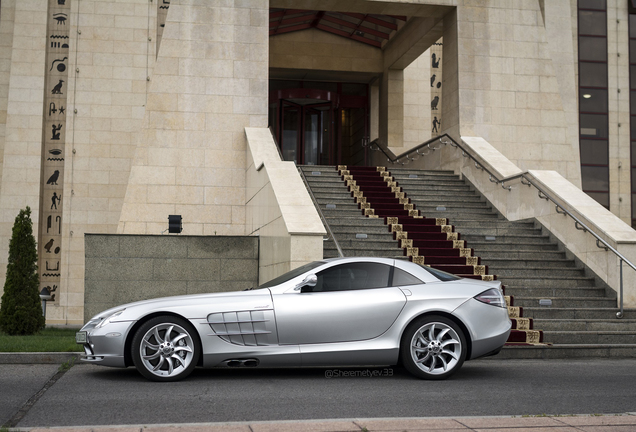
(441, 275)
(291, 274)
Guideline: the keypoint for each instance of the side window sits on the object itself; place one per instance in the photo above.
(353, 276)
(402, 278)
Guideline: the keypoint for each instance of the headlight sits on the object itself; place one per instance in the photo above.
(107, 319)
(492, 297)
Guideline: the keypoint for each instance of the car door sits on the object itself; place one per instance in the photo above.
(350, 302)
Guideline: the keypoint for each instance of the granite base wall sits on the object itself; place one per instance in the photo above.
(122, 268)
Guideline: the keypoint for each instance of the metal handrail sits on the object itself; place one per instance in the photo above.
(582, 227)
(528, 182)
(396, 159)
(453, 143)
(322, 216)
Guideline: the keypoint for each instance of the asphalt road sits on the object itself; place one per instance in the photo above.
(92, 395)
(18, 383)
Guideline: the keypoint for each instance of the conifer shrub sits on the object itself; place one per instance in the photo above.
(21, 309)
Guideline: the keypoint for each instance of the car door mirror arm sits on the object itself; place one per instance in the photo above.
(311, 280)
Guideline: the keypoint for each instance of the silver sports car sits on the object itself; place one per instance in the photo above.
(336, 312)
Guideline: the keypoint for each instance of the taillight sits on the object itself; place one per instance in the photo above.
(492, 297)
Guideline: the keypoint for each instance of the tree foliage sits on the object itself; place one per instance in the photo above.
(21, 309)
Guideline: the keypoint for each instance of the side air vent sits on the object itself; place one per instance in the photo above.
(247, 328)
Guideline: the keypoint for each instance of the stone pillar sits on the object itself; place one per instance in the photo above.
(392, 108)
(450, 77)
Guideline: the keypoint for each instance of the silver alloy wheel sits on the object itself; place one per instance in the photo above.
(436, 348)
(166, 350)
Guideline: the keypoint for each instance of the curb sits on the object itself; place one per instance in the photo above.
(601, 423)
(38, 357)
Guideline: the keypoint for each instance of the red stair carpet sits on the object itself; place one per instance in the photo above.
(427, 241)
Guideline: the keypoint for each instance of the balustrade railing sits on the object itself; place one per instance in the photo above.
(445, 140)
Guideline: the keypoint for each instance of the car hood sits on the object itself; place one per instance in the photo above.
(192, 305)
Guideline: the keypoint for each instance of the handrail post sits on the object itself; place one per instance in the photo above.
(620, 313)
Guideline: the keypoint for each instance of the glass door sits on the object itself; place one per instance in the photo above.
(306, 132)
(353, 127)
(291, 117)
(320, 123)
(317, 140)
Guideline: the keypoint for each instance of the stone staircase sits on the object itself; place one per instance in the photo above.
(576, 312)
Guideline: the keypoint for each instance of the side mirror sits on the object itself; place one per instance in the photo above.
(311, 280)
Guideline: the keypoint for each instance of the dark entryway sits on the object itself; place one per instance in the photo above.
(320, 123)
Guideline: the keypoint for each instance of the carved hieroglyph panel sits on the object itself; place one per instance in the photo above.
(53, 144)
(436, 88)
(162, 14)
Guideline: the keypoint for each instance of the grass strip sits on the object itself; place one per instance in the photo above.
(50, 339)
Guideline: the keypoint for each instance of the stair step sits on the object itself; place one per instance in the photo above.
(566, 302)
(520, 254)
(408, 171)
(360, 237)
(361, 221)
(590, 337)
(346, 230)
(353, 252)
(571, 313)
(509, 239)
(586, 324)
(423, 185)
(437, 187)
(548, 293)
(497, 232)
(535, 263)
(552, 282)
(389, 244)
(498, 247)
(434, 205)
(468, 222)
(544, 272)
(566, 351)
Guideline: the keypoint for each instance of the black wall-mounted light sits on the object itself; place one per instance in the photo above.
(174, 224)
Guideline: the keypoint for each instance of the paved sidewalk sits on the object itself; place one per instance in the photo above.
(586, 423)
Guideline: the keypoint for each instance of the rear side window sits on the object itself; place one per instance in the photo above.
(441, 275)
(402, 278)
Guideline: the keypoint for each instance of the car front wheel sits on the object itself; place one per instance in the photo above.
(433, 347)
(165, 348)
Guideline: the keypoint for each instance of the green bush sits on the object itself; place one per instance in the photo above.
(21, 309)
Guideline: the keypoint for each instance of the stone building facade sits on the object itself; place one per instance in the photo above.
(114, 115)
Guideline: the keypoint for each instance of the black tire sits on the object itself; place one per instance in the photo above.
(159, 359)
(433, 356)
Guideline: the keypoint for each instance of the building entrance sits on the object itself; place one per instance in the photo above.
(322, 125)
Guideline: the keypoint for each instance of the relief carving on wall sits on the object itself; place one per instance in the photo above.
(436, 88)
(53, 146)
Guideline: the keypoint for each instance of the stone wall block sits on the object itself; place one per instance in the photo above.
(101, 246)
(118, 269)
(185, 269)
(238, 270)
(153, 246)
(147, 289)
(223, 247)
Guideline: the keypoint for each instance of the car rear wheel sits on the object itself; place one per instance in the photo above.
(433, 347)
(165, 348)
